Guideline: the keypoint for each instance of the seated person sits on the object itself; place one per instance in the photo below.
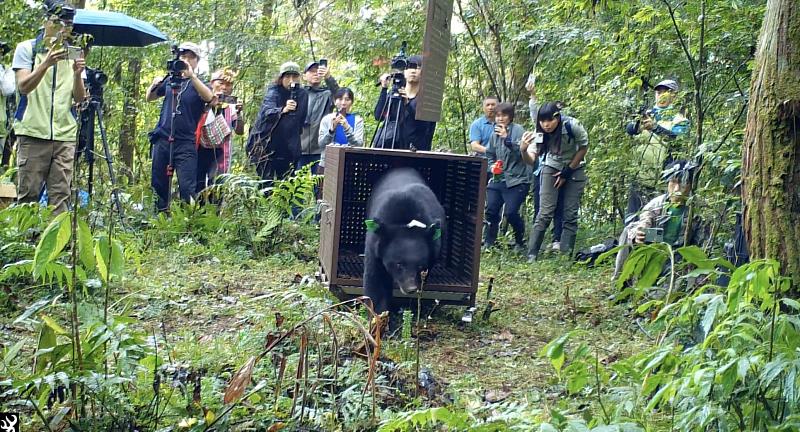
(668, 212)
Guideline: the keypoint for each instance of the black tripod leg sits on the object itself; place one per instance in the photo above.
(110, 161)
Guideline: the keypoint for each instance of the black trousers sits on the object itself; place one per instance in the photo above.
(184, 162)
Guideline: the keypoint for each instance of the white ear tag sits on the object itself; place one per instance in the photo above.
(416, 224)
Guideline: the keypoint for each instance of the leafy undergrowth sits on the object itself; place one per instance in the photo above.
(196, 313)
(191, 323)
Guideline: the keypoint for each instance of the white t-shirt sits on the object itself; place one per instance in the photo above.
(23, 56)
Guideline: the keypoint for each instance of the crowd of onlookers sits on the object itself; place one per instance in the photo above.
(304, 110)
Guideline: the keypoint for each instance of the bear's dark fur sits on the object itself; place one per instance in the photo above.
(405, 225)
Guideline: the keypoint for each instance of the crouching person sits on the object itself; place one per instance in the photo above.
(664, 218)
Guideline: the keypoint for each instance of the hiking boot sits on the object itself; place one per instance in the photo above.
(567, 243)
(537, 237)
(556, 246)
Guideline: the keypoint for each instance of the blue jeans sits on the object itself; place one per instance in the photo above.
(184, 161)
(513, 197)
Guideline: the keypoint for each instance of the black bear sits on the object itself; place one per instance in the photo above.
(404, 235)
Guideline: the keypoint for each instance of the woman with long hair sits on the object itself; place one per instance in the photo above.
(564, 142)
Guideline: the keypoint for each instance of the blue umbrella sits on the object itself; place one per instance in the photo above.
(116, 29)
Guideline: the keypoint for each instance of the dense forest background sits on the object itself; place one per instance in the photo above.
(210, 318)
(596, 56)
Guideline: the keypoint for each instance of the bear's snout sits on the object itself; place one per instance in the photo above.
(407, 284)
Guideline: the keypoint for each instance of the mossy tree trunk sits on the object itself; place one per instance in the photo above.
(771, 153)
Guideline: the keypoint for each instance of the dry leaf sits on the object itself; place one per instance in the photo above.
(240, 381)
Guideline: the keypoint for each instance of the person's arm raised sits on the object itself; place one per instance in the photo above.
(28, 80)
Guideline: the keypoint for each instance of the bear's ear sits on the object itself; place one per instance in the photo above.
(435, 230)
(373, 225)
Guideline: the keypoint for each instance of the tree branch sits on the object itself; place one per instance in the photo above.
(474, 40)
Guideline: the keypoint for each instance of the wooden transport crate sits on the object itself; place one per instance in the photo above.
(8, 193)
(459, 183)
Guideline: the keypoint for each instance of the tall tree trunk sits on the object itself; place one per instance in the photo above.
(127, 131)
(771, 154)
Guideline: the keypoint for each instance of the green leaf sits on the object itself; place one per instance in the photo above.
(12, 352)
(85, 245)
(108, 266)
(554, 351)
(715, 306)
(696, 256)
(54, 238)
(47, 341)
(54, 325)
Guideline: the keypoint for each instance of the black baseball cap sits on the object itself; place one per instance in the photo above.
(60, 9)
(415, 59)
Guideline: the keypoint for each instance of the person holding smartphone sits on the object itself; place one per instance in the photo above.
(274, 142)
(511, 179)
(211, 162)
(49, 83)
(564, 143)
(341, 127)
(321, 88)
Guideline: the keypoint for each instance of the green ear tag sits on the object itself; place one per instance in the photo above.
(372, 226)
(437, 234)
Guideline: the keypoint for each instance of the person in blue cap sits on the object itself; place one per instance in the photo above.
(658, 133)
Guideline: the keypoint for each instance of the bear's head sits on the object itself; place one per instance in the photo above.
(407, 250)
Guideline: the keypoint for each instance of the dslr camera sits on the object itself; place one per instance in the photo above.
(176, 66)
(5, 48)
(399, 64)
(95, 80)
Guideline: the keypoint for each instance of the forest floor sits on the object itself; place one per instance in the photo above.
(218, 300)
(212, 309)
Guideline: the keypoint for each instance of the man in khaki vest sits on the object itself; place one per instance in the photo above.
(48, 83)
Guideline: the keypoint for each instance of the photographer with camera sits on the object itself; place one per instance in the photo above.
(397, 107)
(48, 74)
(665, 217)
(173, 139)
(657, 132)
(320, 103)
(8, 86)
(214, 161)
(564, 143)
(274, 142)
(511, 177)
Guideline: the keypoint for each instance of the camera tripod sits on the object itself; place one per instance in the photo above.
(92, 110)
(393, 100)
